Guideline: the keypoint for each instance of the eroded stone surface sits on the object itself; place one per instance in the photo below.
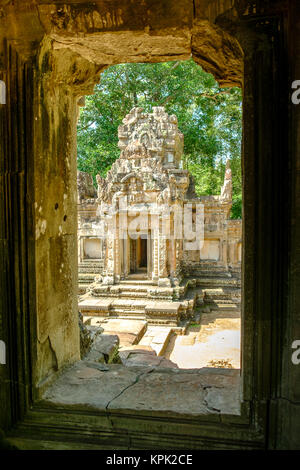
(128, 331)
(144, 358)
(85, 384)
(105, 349)
(205, 391)
(157, 338)
(179, 392)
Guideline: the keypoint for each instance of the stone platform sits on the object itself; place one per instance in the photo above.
(142, 300)
(130, 332)
(154, 312)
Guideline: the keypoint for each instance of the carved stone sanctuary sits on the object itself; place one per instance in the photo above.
(148, 227)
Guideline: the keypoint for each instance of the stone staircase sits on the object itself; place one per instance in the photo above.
(138, 298)
(154, 312)
(221, 289)
(87, 271)
(221, 299)
(141, 299)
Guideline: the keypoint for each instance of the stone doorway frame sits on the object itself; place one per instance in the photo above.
(269, 392)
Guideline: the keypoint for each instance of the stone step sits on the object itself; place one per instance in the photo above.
(211, 269)
(134, 287)
(210, 273)
(157, 338)
(129, 316)
(125, 303)
(95, 266)
(167, 312)
(86, 276)
(220, 306)
(119, 312)
(214, 281)
(90, 271)
(133, 294)
(90, 262)
(219, 294)
(136, 282)
(142, 276)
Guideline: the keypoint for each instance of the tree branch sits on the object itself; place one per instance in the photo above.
(86, 127)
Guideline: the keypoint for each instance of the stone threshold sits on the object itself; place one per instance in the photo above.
(100, 387)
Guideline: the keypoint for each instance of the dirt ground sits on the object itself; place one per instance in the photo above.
(214, 342)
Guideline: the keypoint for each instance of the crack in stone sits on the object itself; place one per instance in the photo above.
(210, 408)
(128, 386)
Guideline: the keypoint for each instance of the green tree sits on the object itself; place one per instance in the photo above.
(208, 116)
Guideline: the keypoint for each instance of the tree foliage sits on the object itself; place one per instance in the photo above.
(208, 116)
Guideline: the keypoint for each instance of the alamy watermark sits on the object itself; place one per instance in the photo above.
(296, 353)
(2, 352)
(296, 94)
(171, 222)
(2, 92)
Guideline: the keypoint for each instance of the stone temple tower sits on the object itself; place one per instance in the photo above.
(145, 179)
(138, 243)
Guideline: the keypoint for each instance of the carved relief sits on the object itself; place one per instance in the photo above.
(226, 191)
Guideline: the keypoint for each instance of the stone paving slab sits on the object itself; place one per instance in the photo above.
(204, 391)
(128, 302)
(157, 337)
(125, 351)
(96, 302)
(94, 306)
(128, 331)
(126, 339)
(143, 359)
(86, 385)
(163, 306)
(179, 393)
(187, 340)
(125, 326)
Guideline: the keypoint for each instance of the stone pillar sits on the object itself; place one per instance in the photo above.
(110, 262)
(155, 256)
(79, 249)
(231, 247)
(123, 256)
(162, 257)
(225, 253)
(117, 273)
(163, 279)
(127, 255)
(149, 256)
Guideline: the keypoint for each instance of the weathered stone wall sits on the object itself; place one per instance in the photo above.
(55, 199)
(287, 408)
(17, 253)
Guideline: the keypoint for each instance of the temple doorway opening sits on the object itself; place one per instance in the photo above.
(143, 245)
(138, 255)
(167, 282)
